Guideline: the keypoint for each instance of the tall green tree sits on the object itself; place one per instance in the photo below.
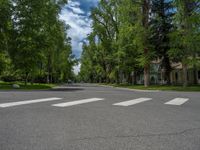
(105, 28)
(127, 52)
(142, 12)
(185, 39)
(28, 22)
(5, 31)
(40, 41)
(5, 23)
(161, 26)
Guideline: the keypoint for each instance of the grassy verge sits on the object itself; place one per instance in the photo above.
(35, 86)
(158, 87)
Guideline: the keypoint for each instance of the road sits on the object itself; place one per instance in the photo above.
(91, 117)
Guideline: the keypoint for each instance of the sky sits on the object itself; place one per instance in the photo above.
(76, 13)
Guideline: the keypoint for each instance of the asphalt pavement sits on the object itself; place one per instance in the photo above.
(92, 117)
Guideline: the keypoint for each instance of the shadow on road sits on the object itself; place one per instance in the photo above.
(67, 89)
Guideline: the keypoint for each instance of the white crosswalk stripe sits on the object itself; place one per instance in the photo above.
(11, 104)
(132, 102)
(177, 101)
(83, 101)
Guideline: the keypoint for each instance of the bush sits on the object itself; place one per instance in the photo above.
(9, 78)
(40, 79)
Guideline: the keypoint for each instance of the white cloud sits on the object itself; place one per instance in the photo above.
(77, 69)
(80, 25)
(73, 4)
(74, 7)
(77, 10)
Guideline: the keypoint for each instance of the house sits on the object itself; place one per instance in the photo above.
(176, 75)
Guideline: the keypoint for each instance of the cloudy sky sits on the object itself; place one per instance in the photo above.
(76, 14)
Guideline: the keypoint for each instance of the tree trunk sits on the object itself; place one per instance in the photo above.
(185, 75)
(49, 69)
(167, 67)
(135, 78)
(195, 74)
(48, 78)
(32, 80)
(26, 78)
(51, 81)
(146, 76)
(145, 22)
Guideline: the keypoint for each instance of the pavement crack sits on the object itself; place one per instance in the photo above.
(136, 136)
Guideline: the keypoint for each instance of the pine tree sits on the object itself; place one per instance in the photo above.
(161, 26)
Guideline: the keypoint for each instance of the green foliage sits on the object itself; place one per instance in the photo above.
(128, 35)
(3, 62)
(34, 41)
(186, 38)
(5, 24)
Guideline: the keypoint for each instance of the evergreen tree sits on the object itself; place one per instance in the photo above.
(161, 26)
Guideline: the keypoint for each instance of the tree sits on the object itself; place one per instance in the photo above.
(26, 50)
(185, 39)
(5, 32)
(105, 29)
(128, 35)
(127, 53)
(39, 40)
(5, 24)
(161, 26)
(142, 13)
(122, 32)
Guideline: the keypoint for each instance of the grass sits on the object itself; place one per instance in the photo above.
(158, 87)
(35, 86)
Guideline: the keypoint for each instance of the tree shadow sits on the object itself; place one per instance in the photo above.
(67, 89)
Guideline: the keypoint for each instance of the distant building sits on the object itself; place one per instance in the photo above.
(176, 75)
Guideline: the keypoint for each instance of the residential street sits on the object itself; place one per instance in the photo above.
(91, 117)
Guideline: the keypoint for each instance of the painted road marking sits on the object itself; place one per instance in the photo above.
(11, 104)
(177, 101)
(72, 103)
(132, 102)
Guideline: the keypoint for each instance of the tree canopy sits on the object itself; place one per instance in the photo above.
(34, 42)
(128, 35)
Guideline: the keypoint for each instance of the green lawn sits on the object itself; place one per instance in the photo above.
(35, 86)
(158, 87)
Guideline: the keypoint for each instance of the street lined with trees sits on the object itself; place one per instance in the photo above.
(128, 35)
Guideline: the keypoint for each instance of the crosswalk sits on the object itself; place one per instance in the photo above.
(176, 102)
(11, 104)
(133, 102)
(67, 104)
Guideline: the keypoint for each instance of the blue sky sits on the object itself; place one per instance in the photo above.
(76, 13)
